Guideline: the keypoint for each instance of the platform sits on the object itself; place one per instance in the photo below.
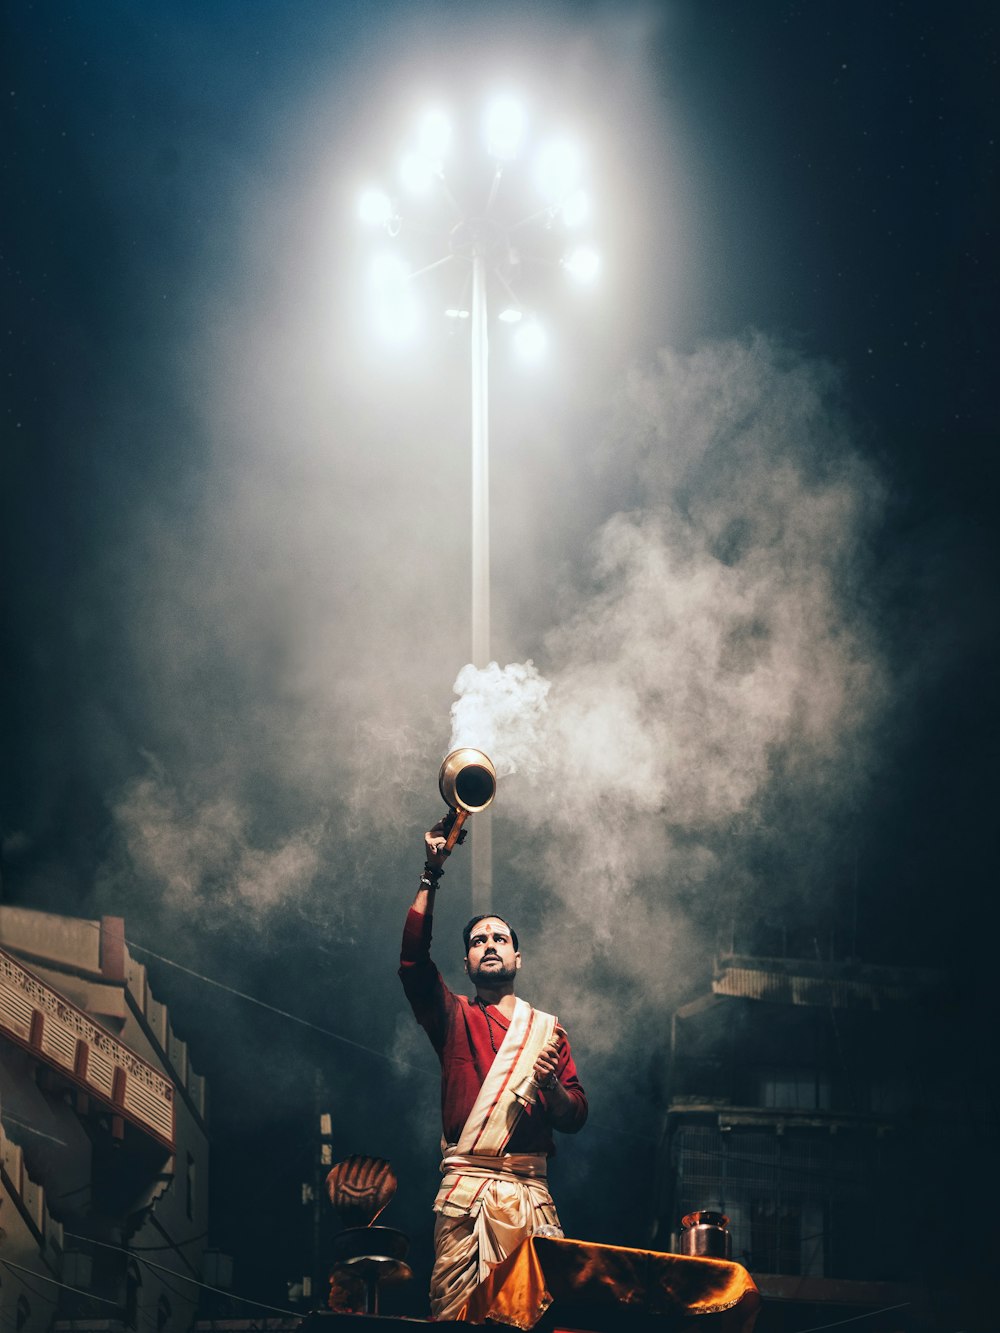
(572, 1286)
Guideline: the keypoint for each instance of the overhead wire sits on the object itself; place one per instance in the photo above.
(219, 1291)
(6, 1117)
(136, 1249)
(839, 1323)
(284, 1013)
(357, 1045)
(103, 1300)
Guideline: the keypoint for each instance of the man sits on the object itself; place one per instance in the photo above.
(507, 1080)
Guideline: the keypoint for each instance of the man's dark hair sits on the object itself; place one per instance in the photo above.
(486, 916)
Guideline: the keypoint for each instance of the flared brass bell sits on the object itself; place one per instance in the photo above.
(468, 783)
(526, 1091)
(468, 780)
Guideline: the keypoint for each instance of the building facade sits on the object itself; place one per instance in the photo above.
(105, 1154)
(808, 1101)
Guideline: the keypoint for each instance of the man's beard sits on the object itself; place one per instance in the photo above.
(491, 977)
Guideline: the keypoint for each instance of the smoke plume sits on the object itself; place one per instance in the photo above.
(712, 693)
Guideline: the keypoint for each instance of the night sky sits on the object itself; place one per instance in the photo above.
(743, 525)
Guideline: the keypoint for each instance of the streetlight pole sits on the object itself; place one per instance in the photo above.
(480, 467)
(486, 243)
(482, 840)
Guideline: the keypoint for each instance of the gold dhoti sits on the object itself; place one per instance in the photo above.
(486, 1207)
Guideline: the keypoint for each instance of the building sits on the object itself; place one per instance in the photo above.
(814, 1103)
(104, 1177)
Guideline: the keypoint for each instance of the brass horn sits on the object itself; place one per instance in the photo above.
(467, 782)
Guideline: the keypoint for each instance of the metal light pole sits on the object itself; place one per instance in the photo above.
(482, 830)
(486, 244)
(480, 467)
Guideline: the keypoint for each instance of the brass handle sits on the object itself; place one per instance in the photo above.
(459, 818)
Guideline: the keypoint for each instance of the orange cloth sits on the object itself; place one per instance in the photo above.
(542, 1272)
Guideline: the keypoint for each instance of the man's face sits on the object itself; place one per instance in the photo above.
(491, 960)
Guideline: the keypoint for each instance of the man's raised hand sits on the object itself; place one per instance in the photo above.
(436, 837)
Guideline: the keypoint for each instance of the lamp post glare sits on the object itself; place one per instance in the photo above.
(506, 126)
(435, 137)
(575, 209)
(494, 254)
(416, 173)
(531, 341)
(557, 169)
(582, 263)
(375, 208)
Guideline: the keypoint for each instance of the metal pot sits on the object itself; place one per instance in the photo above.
(704, 1235)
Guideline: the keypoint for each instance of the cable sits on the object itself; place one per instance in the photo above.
(137, 1249)
(14, 1120)
(220, 1291)
(283, 1013)
(816, 1328)
(65, 1285)
(49, 1300)
(171, 1288)
(618, 1131)
(391, 1059)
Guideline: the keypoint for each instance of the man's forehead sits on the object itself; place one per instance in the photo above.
(494, 923)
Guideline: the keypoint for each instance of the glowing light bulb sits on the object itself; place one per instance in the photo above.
(435, 137)
(506, 123)
(576, 209)
(531, 341)
(557, 168)
(582, 264)
(375, 208)
(416, 173)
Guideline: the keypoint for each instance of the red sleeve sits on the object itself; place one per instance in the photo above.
(430, 999)
(575, 1117)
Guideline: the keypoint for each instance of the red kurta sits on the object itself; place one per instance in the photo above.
(460, 1031)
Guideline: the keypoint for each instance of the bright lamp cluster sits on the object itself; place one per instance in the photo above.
(560, 207)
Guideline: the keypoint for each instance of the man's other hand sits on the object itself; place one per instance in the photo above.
(547, 1063)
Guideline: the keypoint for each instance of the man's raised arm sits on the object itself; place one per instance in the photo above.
(421, 980)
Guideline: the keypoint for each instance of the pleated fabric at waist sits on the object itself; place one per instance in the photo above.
(522, 1165)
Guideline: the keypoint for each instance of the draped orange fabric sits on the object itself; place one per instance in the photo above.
(572, 1275)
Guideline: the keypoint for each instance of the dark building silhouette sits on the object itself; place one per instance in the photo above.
(104, 1145)
(828, 1109)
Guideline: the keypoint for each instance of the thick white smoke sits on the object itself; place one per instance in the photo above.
(720, 660)
(188, 849)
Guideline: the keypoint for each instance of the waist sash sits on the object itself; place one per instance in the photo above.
(467, 1176)
(507, 1089)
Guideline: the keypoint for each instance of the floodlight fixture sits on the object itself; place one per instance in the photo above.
(583, 263)
(575, 209)
(506, 124)
(375, 208)
(416, 173)
(557, 169)
(531, 340)
(497, 243)
(435, 137)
